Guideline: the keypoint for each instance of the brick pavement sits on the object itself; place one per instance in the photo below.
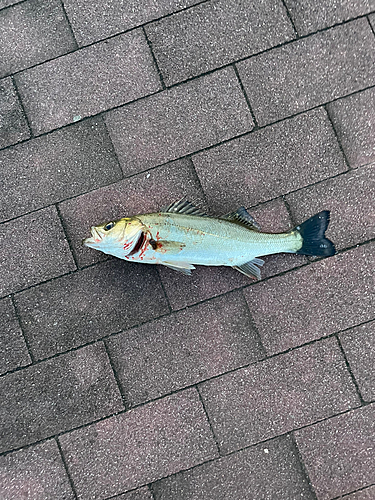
(131, 382)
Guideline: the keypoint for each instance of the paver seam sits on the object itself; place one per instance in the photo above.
(72, 485)
(149, 43)
(66, 236)
(296, 34)
(341, 497)
(19, 319)
(69, 24)
(23, 113)
(303, 465)
(348, 166)
(208, 420)
(368, 20)
(363, 402)
(125, 401)
(256, 126)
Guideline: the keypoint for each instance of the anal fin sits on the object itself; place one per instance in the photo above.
(250, 268)
(182, 267)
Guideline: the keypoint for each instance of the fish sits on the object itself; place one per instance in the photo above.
(181, 236)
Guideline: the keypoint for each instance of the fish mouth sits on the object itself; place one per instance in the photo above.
(95, 238)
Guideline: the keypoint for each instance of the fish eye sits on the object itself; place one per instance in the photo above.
(109, 226)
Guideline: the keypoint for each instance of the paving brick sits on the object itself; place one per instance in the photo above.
(12, 344)
(140, 494)
(56, 395)
(32, 32)
(13, 125)
(55, 166)
(6, 3)
(339, 453)
(179, 121)
(88, 81)
(36, 472)
(139, 446)
(207, 282)
(354, 121)
(216, 33)
(366, 494)
(95, 20)
(278, 395)
(88, 305)
(314, 301)
(309, 16)
(269, 470)
(359, 346)
(171, 353)
(33, 249)
(350, 198)
(143, 193)
(269, 162)
(310, 72)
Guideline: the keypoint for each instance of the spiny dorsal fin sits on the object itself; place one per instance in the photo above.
(250, 268)
(241, 216)
(183, 206)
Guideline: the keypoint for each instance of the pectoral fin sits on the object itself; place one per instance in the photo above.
(250, 268)
(182, 267)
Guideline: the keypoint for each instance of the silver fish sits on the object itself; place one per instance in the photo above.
(182, 236)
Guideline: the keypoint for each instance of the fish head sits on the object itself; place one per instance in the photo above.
(117, 237)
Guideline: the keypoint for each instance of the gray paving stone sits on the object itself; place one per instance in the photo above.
(270, 162)
(267, 471)
(277, 395)
(216, 33)
(339, 453)
(88, 81)
(95, 20)
(56, 166)
(354, 120)
(171, 353)
(12, 344)
(88, 305)
(13, 125)
(32, 32)
(208, 282)
(143, 193)
(359, 346)
(309, 303)
(179, 121)
(33, 249)
(140, 494)
(309, 16)
(310, 72)
(366, 494)
(350, 198)
(6, 3)
(56, 395)
(139, 446)
(372, 21)
(35, 473)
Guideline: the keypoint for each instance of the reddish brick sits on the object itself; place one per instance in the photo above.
(94, 20)
(206, 282)
(56, 395)
(32, 32)
(139, 446)
(171, 353)
(278, 395)
(270, 162)
(140, 494)
(88, 81)
(89, 305)
(270, 470)
(359, 347)
(13, 125)
(179, 121)
(214, 34)
(33, 249)
(310, 16)
(350, 198)
(354, 121)
(146, 192)
(58, 165)
(339, 453)
(310, 72)
(12, 344)
(366, 494)
(322, 298)
(36, 473)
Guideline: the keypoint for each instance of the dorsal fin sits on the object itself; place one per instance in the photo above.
(242, 217)
(183, 206)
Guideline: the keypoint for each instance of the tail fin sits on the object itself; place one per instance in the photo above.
(312, 232)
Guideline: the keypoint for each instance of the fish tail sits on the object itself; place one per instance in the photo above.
(314, 241)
